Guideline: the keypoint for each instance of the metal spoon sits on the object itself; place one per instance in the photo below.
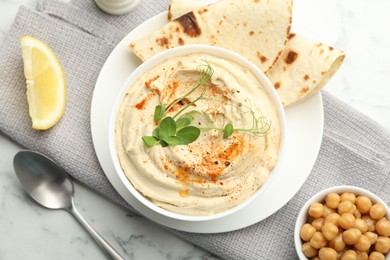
(50, 186)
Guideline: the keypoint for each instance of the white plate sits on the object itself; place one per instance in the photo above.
(304, 135)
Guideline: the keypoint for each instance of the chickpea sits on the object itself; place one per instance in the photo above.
(349, 255)
(347, 220)
(371, 236)
(376, 256)
(337, 243)
(382, 245)
(348, 196)
(370, 223)
(362, 256)
(328, 211)
(363, 244)
(361, 225)
(308, 250)
(330, 231)
(327, 253)
(346, 207)
(316, 210)
(351, 236)
(318, 240)
(377, 211)
(363, 204)
(307, 231)
(332, 218)
(317, 223)
(332, 200)
(382, 227)
(354, 209)
(357, 214)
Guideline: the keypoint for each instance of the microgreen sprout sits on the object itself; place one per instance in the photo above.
(177, 129)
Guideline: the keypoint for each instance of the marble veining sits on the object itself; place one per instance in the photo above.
(28, 231)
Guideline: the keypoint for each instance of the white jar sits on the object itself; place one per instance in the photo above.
(116, 7)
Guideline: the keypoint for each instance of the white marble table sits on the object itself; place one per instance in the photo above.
(28, 231)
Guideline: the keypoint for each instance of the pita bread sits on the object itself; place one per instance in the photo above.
(179, 7)
(303, 69)
(255, 29)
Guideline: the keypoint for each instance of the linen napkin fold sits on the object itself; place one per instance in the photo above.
(355, 150)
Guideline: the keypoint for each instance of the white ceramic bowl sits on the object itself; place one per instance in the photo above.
(319, 197)
(182, 51)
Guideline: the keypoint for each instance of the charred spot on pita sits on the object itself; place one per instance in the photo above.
(169, 13)
(291, 57)
(306, 77)
(276, 59)
(181, 41)
(213, 39)
(292, 35)
(277, 85)
(163, 41)
(190, 24)
(202, 10)
(304, 90)
(261, 57)
(289, 28)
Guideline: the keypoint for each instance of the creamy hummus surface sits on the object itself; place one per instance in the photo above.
(211, 174)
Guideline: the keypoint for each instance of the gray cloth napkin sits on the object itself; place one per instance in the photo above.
(355, 150)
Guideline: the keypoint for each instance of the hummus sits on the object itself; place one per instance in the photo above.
(211, 174)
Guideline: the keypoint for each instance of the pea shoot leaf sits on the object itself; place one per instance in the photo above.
(183, 121)
(188, 134)
(173, 140)
(163, 143)
(150, 141)
(228, 130)
(167, 128)
(155, 133)
(159, 112)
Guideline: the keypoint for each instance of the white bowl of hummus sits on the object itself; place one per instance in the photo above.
(197, 133)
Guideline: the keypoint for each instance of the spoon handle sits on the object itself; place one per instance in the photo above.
(98, 238)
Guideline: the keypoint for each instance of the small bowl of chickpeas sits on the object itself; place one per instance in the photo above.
(343, 222)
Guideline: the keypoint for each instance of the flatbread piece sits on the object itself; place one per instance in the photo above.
(256, 29)
(301, 71)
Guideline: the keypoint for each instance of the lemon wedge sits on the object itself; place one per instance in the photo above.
(46, 88)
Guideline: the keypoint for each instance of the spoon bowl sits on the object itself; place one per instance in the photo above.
(44, 180)
(49, 185)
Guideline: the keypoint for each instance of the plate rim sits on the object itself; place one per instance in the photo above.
(213, 226)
